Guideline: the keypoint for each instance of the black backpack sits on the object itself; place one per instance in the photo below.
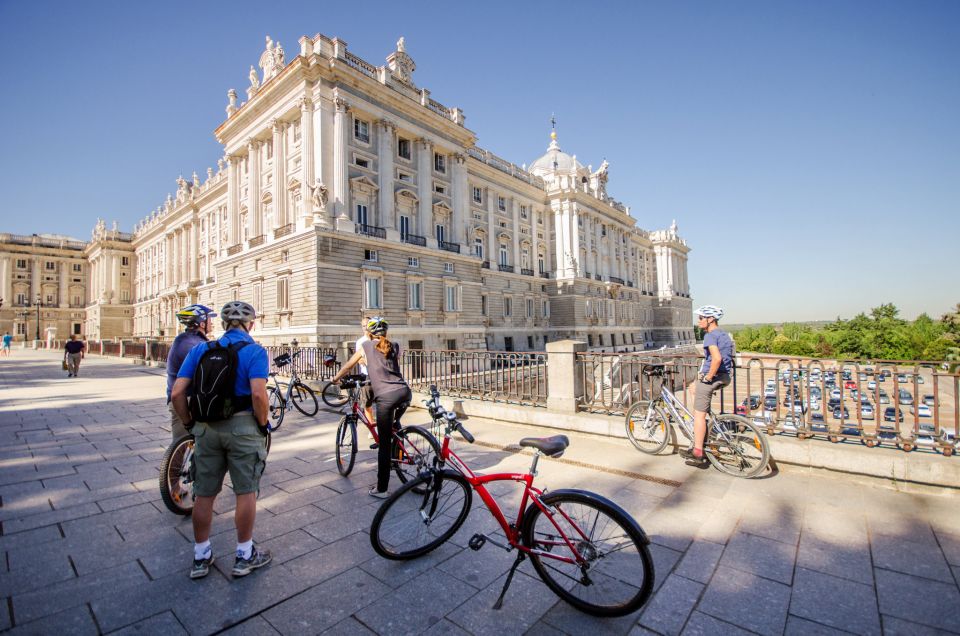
(214, 382)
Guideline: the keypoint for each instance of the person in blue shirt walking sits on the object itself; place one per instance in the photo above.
(235, 444)
(7, 339)
(197, 321)
(714, 374)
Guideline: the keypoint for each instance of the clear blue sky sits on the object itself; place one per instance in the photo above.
(810, 151)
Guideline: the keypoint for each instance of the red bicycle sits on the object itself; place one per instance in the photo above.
(588, 550)
(413, 447)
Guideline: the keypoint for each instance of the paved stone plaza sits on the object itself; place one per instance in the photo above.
(90, 548)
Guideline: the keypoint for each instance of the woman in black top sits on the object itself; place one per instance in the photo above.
(391, 394)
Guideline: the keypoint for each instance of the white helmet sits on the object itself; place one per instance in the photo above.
(710, 311)
(238, 310)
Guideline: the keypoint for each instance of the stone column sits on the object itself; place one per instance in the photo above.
(279, 173)
(6, 280)
(461, 202)
(493, 242)
(64, 274)
(515, 209)
(385, 174)
(233, 201)
(254, 221)
(534, 243)
(341, 144)
(35, 280)
(308, 179)
(424, 189)
(115, 279)
(587, 231)
(575, 239)
(560, 242)
(195, 252)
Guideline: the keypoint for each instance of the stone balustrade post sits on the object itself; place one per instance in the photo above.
(564, 376)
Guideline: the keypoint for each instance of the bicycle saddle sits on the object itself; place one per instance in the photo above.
(551, 446)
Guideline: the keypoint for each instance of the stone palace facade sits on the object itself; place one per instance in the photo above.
(347, 190)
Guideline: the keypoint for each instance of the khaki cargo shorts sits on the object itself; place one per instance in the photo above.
(233, 445)
(704, 391)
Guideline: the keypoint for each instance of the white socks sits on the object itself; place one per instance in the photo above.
(202, 550)
(245, 549)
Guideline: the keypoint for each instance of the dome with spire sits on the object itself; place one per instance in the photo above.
(555, 160)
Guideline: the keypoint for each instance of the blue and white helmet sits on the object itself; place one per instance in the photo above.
(710, 311)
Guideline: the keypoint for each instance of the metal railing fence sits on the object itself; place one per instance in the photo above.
(495, 376)
(309, 364)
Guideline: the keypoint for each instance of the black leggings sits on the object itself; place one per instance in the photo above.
(389, 410)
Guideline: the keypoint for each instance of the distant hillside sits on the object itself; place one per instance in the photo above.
(733, 327)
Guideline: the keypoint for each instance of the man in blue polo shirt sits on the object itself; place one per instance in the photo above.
(235, 444)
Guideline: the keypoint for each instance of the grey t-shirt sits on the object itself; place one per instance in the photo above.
(722, 340)
(384, 370)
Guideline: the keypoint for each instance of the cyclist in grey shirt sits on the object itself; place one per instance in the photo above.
(714, 374)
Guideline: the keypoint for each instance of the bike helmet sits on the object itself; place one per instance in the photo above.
(195, 315)
(238, 310)
(710, 311)
(377, 326)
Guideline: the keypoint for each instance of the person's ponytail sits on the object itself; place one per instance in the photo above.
(383, 345)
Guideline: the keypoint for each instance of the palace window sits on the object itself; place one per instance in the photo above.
(452, 298)
(478, 247)
(21, 263)
(404, 226)
(363, 163)
(440, 233)
(477, 195)
(77, 267)
(503, 255)
(448, 268)
(50, 265)
(483, 305)
(283, 293)
(439, 163)
(361, 131)
(413, 261)
(361, 214)
(439, 189)
(523, 211)
(371, 256)
(415, 296)
(403, 148)
(529, 307)
(372, 295)
(501, 204)
(125, 261)
(507, 306)
(545, 308)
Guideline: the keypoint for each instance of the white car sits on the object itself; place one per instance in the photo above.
(866, 411)
(770, 390)
(922, 410)
(872, 385)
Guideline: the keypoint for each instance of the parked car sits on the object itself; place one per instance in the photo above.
(922, 410)
(891, 414)
(887, 434)
(841, 412)
(770, 391)
(872, 385)
(754, 401)
(906, 398)
(834, 402)
(901, 377)
(884, 398)
(849, 384)
(770, 403)
(929, 400)
(866, 411)
(816, 392)
(835, 394)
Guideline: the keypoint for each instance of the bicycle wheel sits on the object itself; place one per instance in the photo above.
(304, 399)
(346, 444)
(616, 575)
(414, 451)
(421, 515)
(647, 428)
(333, 396)
(737, 447)
(176, 483)
(275, 407)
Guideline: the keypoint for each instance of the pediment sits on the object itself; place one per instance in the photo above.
(363, 182)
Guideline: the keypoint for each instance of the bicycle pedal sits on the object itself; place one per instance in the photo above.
(476, 542)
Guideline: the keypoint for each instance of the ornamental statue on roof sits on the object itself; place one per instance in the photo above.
(272, 60)
(401, 65)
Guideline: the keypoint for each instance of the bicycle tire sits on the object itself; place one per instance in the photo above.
(176, 484)
(647, 435)
(624, 573)
(304, 399)
(346, 444)
(275, 407)
(333, 396)
(421, 515)
(414, 452)
(738, 456)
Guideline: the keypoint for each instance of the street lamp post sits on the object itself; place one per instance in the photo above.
(39, 305)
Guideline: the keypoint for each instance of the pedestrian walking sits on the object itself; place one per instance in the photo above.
(74, 352)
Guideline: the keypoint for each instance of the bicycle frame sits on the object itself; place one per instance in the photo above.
(530, 493)
(294, 379)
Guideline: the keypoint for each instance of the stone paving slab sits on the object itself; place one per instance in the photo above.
(88, 546)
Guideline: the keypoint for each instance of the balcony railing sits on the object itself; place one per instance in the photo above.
(526, 272)
(371, 230)
(257, 240)
(414, 239)
(545, 274)
(505, 268)
(234, 249)
(485, 265)
(284, 230)
(450, 247)
(614, 279)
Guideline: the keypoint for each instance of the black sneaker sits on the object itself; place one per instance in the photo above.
(258, 559)
(201, 567)
(698, 462)
(687, 453)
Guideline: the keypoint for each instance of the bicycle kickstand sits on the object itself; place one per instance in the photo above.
(520, 557)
